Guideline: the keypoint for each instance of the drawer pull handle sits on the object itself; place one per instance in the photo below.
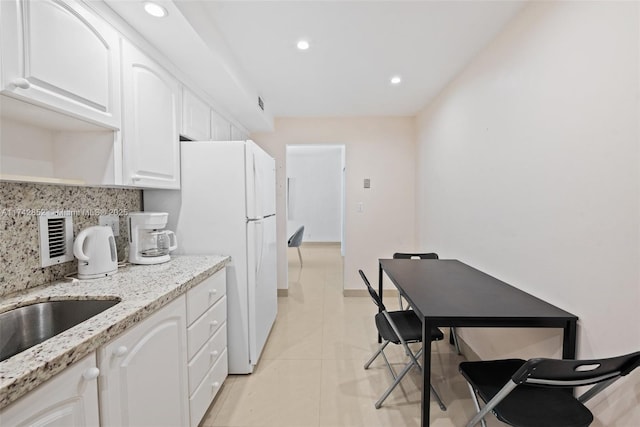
(120, 351)
(214, 323)
(215, 385)
(20, 82)
(91, 374)
(214, 353)
(212, 292)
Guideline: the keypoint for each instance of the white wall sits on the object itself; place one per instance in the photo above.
(314, 174)
(25, 149)
(528, 169)
(379, 148)
(32, 151)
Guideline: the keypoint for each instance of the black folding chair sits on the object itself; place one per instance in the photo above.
(399, 327)
(529, 393)
(429, 255)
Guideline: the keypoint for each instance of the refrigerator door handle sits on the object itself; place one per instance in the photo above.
(259, 246)
(257, 187)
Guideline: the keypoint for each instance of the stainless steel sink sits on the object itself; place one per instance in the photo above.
(24, 327)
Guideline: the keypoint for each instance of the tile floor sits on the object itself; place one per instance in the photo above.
(311, 370)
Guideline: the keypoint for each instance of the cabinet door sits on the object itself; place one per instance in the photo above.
(196, 118)
(143, 379)
(220, 128)
(59, 55)
(151, 119)
(69, 399)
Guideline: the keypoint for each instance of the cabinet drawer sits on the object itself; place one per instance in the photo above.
(208, 355)
(206, 326)
(206, 392)
(203, 296)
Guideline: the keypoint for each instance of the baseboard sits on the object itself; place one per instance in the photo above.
(365, 293)
(283, 292)
(467, 351)
(310, 244)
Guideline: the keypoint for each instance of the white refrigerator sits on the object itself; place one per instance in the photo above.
(226, 205)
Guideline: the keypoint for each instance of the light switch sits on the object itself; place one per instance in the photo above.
(367, 183)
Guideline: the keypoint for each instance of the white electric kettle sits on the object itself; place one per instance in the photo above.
(95, 248)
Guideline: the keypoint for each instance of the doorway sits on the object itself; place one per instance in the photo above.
(315, 193)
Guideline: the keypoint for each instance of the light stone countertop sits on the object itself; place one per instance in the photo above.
(142, 289)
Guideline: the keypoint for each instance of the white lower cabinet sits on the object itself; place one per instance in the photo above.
(69, 399)
(164, 371)
(206, 343)
(202, 397)
(203, 361)
(143, 379)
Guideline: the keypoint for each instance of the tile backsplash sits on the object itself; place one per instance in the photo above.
(20, 205)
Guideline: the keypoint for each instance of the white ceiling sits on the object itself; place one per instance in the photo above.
(236, 50)
(356, 46)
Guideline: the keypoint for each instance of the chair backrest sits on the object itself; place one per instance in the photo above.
(296, 238)
(401, 255)
(572, 373)
(374, 295)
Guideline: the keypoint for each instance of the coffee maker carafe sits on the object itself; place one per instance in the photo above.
(148, 242)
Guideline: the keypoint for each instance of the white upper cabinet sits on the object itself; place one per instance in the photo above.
(238, 134)
(196, 118)
(151, 119)
(59, 55)
(220, 128)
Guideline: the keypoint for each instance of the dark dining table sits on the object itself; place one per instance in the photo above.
(450, 293)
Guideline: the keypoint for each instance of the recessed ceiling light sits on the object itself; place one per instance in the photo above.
(155, 9)
(396, 80)
(303, 45)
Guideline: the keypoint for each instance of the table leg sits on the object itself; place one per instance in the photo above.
(569, 345)
(426, 371)
(380, 293)
(569, 340)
